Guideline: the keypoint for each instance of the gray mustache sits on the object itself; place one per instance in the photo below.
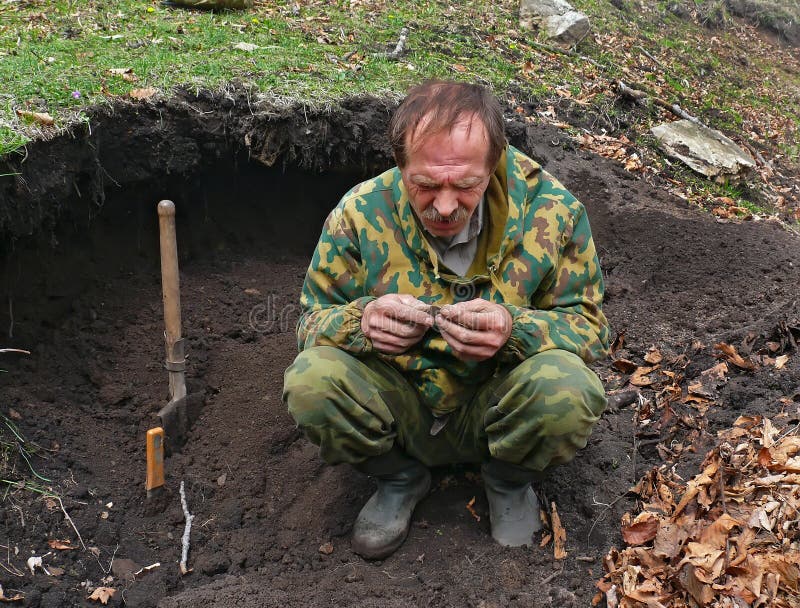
(432, 215)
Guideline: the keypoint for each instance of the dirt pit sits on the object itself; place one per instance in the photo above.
(272, 521)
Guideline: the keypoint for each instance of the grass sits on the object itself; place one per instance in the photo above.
(60, 57)
(17, 471)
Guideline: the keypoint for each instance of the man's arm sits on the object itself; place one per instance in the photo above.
(333, 298)
(565, 312)
(337, 310)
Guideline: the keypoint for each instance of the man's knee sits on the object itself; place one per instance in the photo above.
(310, 380)
(556, 389)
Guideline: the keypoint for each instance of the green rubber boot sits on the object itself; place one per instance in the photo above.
(383, 523)
(513, 506)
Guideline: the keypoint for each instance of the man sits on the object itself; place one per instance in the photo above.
(448, 312)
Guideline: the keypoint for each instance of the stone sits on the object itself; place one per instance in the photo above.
(560, 22)
(705, 150)
(568, 29)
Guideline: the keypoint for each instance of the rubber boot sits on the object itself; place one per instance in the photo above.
(383, 523)
(513, 506)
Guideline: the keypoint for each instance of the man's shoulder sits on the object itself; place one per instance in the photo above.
(521, 164)
(379, 190)
(543, 189)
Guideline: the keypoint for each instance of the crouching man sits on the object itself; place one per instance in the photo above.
(449, 311)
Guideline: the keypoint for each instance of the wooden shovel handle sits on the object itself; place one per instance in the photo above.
(170, 287)
(170, 281)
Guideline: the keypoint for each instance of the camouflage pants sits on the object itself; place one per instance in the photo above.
(536, 415)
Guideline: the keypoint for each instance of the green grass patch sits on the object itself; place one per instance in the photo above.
(59, 57)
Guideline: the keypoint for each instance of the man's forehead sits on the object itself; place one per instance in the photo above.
(422, 178)
(469, 124)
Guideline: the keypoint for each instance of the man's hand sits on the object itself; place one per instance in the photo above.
(395, 322)
(475, 330)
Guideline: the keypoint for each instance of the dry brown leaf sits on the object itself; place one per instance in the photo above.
(781, 361)
(669, 539)
(326, 548)
(559, 534)
(124, 73)
(708, 561)
(694, 486)
(102, 594)
(716, 534)
(471, 509)
(459, 68)
(702, 593)
(653, 356)
(640, 377)
(618, 343)
(17, 597)
(641, 530)
(43, 118)
(61, 545)
(730, 354)
(142, 94)
(545, 540)
(624, 365)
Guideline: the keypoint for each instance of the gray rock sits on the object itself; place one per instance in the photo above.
(569, 28)
(533, 9)
(557, 18)
(705, 150)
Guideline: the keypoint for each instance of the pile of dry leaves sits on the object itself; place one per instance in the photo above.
(727, 538)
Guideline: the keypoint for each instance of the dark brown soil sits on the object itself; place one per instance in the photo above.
(85, 298)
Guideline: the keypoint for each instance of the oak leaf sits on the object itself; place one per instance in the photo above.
(61, 545)
(641, 530)
(102, 594)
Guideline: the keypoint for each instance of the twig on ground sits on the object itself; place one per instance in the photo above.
(399, 49)
(69, 519)
(549, 579)
(606, 509)
(756, 154)
(110, 563)
(186, 532)
(642, 98)
(639, 403)
(11, 569)
(650, 57)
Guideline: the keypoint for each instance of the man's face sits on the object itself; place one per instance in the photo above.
(447, 175)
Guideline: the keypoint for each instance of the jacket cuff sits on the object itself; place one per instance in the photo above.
(514, 349)
(355, 311)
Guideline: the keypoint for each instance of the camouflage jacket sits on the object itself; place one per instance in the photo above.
(535, 256)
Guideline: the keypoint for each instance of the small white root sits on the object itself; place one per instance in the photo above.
(186, 532)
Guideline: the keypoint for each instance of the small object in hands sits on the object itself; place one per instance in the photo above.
(434, 311)
(155, 461)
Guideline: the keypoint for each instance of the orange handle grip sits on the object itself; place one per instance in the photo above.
(155, 458)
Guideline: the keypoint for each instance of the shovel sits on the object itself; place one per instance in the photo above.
(177, 416)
